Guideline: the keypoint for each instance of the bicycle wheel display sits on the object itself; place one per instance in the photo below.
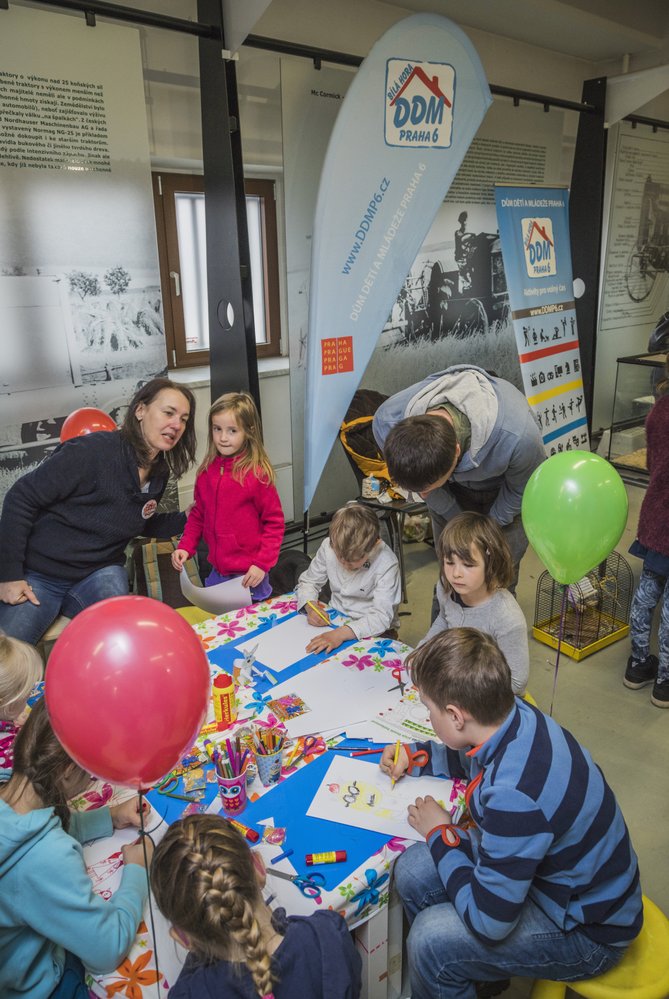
(640, 275)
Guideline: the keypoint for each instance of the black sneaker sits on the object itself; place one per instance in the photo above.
(486, 990)
(660, 695)
(640, 672)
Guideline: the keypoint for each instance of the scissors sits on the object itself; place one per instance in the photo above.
(308, 746)
(418, 759)
(311, 885)
(168, 785)
(401, 684)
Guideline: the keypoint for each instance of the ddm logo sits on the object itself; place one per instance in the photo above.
(538, 247)
(419, 103)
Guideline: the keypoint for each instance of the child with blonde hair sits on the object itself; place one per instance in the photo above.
(21, 668)
(237, 508)
(364, 578)
(207, 883)
(476, 568)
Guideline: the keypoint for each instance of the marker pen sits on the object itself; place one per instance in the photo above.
(333, 857)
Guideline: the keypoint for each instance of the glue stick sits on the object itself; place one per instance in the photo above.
(223, 696)
(331, 857)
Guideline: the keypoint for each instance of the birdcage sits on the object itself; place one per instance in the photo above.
(597, 609)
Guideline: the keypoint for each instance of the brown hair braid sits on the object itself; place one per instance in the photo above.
(204, 881)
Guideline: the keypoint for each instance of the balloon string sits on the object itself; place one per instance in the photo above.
(144, 835)
(563, 614)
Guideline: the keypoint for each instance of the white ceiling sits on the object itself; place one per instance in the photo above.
(596, 30)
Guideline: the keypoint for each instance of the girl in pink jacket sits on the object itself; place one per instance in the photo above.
(237, 508)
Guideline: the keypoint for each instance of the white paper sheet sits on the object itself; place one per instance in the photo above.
(217, 599)
(337, 696)
(284, 644)
(356, 793)
(408, 720)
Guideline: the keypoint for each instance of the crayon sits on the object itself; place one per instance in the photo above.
(250, 834)
(332, 857)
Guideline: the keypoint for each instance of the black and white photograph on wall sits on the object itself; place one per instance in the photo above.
(635, 267)
(80, 301)
(455, 297)
(649, 257)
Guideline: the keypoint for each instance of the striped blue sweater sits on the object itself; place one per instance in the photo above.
(547, 827)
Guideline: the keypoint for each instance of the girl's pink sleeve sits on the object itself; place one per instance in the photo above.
(194, 524)
(272, 525)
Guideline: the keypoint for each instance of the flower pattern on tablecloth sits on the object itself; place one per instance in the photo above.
(359, 662)
(365, 890)
(133, 976)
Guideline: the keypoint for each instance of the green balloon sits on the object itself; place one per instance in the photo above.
(574, 513)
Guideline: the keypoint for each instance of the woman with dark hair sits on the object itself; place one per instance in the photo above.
(51, 920)
(66, 524)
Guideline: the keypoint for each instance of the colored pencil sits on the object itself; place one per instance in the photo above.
(395, 760)
(321, 613)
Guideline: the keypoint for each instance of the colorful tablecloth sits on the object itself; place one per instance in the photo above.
(357, 889)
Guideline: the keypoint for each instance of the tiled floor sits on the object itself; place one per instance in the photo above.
(626, 734)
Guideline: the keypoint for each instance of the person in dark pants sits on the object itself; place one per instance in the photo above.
(66, 524)
(543, 881)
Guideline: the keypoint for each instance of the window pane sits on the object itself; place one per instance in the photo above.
(254, 223)
(193, 257)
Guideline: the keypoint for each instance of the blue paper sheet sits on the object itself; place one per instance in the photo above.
(287, 804)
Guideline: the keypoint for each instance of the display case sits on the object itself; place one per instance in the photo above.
(637, 377)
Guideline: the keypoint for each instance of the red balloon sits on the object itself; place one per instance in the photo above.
(85, 421)
(127, 689)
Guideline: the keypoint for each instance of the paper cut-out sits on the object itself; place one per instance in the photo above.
(218, 599)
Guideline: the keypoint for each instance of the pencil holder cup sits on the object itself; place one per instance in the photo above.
(269, 766)
(233, 793)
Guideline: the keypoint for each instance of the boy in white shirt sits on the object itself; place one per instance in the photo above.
(364, 578)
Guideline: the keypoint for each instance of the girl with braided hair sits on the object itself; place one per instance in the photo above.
(51, 922)
(207, 883)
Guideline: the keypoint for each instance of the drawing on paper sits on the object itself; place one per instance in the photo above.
(361, 796)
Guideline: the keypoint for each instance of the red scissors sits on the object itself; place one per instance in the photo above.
(401, 684)
(418, 759)
(311, 744)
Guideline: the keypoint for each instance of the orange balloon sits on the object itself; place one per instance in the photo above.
(85, 421)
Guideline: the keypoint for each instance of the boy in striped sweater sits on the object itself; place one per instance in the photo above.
(545, 883)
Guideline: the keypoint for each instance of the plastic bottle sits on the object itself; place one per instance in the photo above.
(223, 696)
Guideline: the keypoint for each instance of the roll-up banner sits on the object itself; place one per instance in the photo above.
(534, 236)
(401, 133)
